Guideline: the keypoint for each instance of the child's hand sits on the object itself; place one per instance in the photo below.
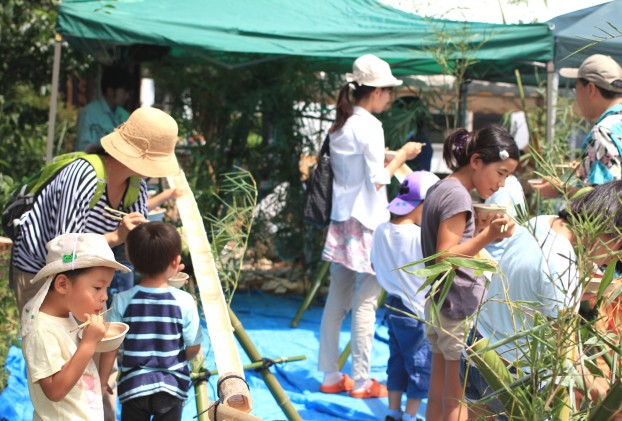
(95, 330)
(501, 226)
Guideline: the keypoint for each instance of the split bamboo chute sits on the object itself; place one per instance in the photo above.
(212, 298)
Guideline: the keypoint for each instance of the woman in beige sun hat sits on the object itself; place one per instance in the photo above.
(144, 146)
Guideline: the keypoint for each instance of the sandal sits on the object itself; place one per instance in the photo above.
(375, 390)
(343, 385)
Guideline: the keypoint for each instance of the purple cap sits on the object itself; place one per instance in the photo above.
(412, 192)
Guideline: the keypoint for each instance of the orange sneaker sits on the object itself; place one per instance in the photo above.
(375, 390)
(343, 385)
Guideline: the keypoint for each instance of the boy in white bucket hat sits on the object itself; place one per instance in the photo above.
(63, 379)
(397, 243)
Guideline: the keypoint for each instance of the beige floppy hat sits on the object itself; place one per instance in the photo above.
(64, 253)
(145, 143)
(369, 70)
(601, 70)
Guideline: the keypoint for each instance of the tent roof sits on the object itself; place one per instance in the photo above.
(239, 32)
(575, 30)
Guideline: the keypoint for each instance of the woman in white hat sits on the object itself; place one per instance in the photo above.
(144, 146)
(357, 151)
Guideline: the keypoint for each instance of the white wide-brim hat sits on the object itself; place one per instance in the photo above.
(65, 253)
(369, 70)
(145, 143)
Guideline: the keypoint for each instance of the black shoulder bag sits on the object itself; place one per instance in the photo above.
(319, 195)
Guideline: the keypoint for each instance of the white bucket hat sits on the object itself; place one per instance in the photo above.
(64, 253)
(369, 70)
(145, 143)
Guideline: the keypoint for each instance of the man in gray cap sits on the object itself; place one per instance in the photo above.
(599, 98)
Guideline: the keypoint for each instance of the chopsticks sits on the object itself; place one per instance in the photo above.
(85, 324)
(113, 210)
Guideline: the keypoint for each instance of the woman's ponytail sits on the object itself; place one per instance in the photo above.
(343, 107)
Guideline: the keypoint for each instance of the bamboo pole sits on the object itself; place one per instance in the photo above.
(268, 377)
(58, 39)
(315, 287)
(252, 366)
(212, 298)
(348, 349)
(201, 397)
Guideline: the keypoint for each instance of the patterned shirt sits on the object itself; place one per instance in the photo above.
(63, 207)
(601, 160)
(163, 322)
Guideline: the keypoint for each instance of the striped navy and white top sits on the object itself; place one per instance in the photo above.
(163, 322)
(63, 207)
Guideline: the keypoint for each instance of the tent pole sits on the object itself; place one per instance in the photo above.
(53, 98)
(552, 84)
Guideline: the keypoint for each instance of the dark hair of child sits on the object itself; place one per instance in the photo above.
(487, 142)
(151, 247)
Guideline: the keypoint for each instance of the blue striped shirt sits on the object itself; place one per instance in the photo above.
(163, 322)
(63, 207)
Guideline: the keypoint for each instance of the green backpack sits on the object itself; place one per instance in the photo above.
(23, 198)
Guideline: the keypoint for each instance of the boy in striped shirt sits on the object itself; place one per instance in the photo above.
(165, 332)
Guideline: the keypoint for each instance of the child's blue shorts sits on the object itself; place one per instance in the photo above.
(410, 360)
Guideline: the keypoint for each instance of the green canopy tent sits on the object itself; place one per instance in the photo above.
(576, 30)
(239, 33)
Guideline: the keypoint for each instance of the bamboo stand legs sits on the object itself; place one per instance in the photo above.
(268, 377)
(315, 287)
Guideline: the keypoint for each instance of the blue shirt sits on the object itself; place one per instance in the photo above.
(163, 322)
(95, 121)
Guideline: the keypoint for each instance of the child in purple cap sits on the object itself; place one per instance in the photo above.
(395, 244)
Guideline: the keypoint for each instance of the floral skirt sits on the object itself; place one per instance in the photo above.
(349, 243)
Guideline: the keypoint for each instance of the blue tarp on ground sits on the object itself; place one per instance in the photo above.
(266, 319)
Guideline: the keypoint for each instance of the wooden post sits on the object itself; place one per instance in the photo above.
(212, 298)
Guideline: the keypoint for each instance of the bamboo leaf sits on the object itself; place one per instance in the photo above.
(471, 263)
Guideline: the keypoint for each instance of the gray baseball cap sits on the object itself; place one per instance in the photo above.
(599, 69)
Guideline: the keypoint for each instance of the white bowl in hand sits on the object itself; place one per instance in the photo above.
(483, 210)
(115, 333)
(179, 280)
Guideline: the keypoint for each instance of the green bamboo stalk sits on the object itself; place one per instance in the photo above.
(315, 287)
(348, 349)
(202, 399)
(490, 365)
(268, 377)
(208, 373)
(611, 405)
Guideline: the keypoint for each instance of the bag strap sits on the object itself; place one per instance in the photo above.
(325, 149)
(131, 194)
(97, 163)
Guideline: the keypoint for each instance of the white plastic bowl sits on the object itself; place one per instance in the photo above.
(178, 280)
(483, 210)
(112, 339)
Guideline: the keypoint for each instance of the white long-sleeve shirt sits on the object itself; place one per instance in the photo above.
(357, 160)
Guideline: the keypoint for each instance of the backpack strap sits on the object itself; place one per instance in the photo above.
(100, 172)
(132, 193)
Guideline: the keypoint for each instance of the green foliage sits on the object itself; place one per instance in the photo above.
(248, 117)
(230, 231)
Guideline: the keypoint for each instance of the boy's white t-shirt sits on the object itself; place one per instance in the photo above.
(395, 246)
(46, 348)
